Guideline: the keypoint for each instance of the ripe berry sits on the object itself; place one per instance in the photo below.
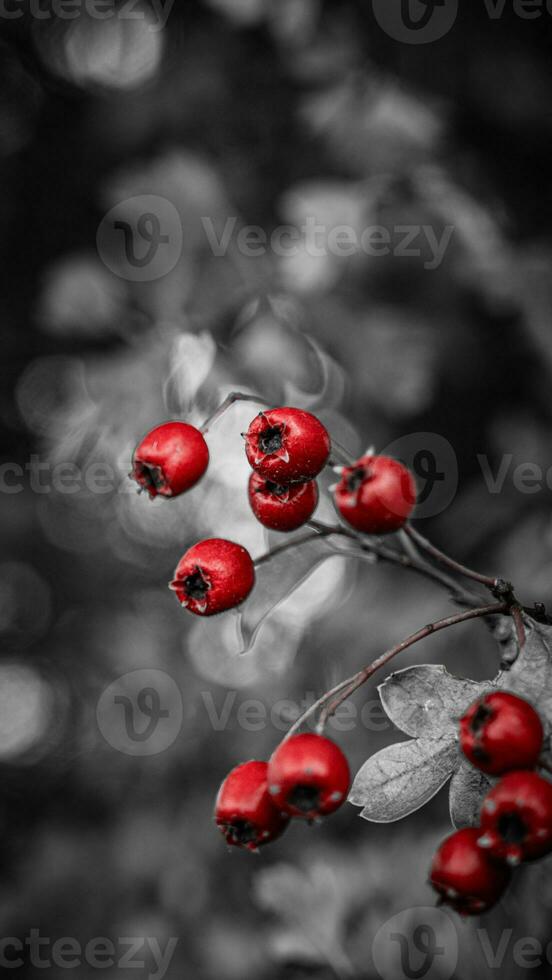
(376, 494)
(463, 875)
(308, 776)
(170, 459)
(287, 444)
(282, 508)
(500, 732)
(244, 811)
(212, 576)
(516, 818)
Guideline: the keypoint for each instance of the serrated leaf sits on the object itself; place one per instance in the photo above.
(401, 778)
(426, 700)
(530, 675)
(468, 787)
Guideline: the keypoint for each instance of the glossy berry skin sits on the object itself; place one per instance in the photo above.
(463, 875)
(516, 818)
(213, 575)
(308, 776)
(376, 495)
(282, 508)
(501, 732)
(286, 445)
(170, 459)
(244, 811)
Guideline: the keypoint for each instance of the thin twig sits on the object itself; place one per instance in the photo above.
(231, 399)
(357, 680)
(455, 566)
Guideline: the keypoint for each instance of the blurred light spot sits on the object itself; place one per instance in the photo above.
(244, 12)
(26, 706)
(79, 296)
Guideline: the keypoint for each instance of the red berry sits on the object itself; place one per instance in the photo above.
(212, 576)
(463, 875)
(282, 508)
(500, 732)
(516, 818)
(376, 494)
(244, 810)
(308, 776)
(287, 444)
(170, 459)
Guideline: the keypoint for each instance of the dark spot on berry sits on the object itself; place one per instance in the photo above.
(195, 586)
(356, 478)
(512, 828)
(480, 718)
(304, 798)
(241, 831)
(275, 488)
(270, 440)
(480, 754)
(149, 477)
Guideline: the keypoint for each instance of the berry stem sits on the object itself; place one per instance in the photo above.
(357, 680)
(332, 699)
(455, 566)
(231, 399)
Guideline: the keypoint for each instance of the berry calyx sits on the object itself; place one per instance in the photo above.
(244, 811)
(308, 776)
(286, 445)
(463, 875)
(170, 459)
(280, 507)
(516, 818)
(501, 732)
(376, 495)
(213, 575)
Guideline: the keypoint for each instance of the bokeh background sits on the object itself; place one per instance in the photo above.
(266, 112)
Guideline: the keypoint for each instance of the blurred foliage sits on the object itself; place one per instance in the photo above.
(269, 111)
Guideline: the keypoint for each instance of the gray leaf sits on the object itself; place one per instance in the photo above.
(427, 700)
(467, 789)
(401, 778)
(531, 674)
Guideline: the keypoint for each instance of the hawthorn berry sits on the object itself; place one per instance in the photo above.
(287, 444)
(282, 507)
(516, 818)
(463, 875)
(212, 576)
(500, 732)
(170, 459)
(244, 811)
(308, 776)
(376, 495)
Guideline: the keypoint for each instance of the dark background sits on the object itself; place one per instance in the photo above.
(267, 111)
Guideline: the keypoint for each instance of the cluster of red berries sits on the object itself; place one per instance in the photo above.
(287, 448)
(502, 735)
(306, 777)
